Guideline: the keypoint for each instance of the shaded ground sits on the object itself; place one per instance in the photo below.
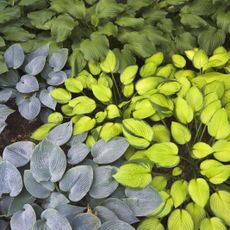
(17, 129)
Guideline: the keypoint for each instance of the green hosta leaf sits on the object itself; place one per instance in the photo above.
(156, 58)
(194, 98)
(213, 223)
(55, 117)
(150, 223)
(82, 105)
(179, 61)
(9, 13)
(180, 219)
(201, 150)
(163, 154)
(220, 205)
(184, 112)
(200, 59)
(134, 175)
(193, 21)
(139, 113)
(199, 191)
(222, 150)
(219, 126)
(42, 131)
(110, 130)
(137, 132)
(102, 93)
(178, 192)
(128, 74)
(180, 133)
(94, 68)
(197, 213)
(169, 87)
(148, 69)
(130, 22)
(61, 95)
(161, 133)
(159, 183)
(84, 124)
(112, 111)
(108, 65)
(215, 171)
(215, 86)
(61, 27)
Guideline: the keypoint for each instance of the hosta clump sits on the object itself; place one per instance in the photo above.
(32, 77)
(176, 121)
(40, 190)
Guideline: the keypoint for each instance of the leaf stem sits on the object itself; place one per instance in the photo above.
(116, 86)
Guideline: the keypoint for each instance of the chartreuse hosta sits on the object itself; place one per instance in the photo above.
(175, 121)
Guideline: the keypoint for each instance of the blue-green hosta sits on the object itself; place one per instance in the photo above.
(175, 124)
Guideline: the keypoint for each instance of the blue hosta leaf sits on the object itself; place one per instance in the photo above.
(58, 59)
(80, 138)
(143, 201)
(55, 199)
(121, 209)
(77, 181)
(115, 225)
(46, 98)
(27, 84)
(36, 65)
(24, 219)
(86, 221)
(56, 78)
(42, 51)
(77, 153)
(48, 162)
(19, 153)
(5, 111)
(10, 79)
(14, 56)
(105, 214)
(70, 211)
(54, 220)
(37, 189)
(103, 182)
(108, 152)
(11, 180)
(5, 95)
(61, 134)
(29, 108)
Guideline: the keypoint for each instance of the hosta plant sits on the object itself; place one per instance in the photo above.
(175, 119)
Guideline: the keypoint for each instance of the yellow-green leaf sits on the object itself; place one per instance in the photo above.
(179, 61)
(55, 117)
(161, 133)
(61, 95)
(201, 150)
(213, 223)
(159, 183)
(128, 74)
(194, 98)
(199, 191)
(222, 150)
(84, 124)
(148, 69)
(200, 59)
(150, 223)
(180, 133)
(156, 58)
(102, 93)
(73, 85)
(109, 64)
(183, 110)
(42, 131)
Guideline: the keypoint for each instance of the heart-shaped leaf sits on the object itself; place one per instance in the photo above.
(103, 182)
(55, 199)
(19, 153)
(77, 181)
(61, 134)
(56, 78)
(24, 219)
(5, 111)
(58, 59)
(77, 153)
(14, 56)
(108, 152)
(105, 214)
(116, 224)
(48, 162)
(46, 99)
(27, 84)
(36, 65)
(11, 180)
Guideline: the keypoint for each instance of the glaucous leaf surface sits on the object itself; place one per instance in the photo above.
(58, 59)
(11, 180)
(37, 189)
(105, 214)
(143, 201)
(5, 111)
(103, 182)
(77, 181)
(36, 65)
(55, 199)
(60, 134)
(108, 152)
(77, 153)
(18, 153)
(24, 219)
(5, 95)
(48, 162)
(56, 78)
(46, 98)
(14, 56)
(116, 224)
(30, 107)
(27, 84)
(86, 221)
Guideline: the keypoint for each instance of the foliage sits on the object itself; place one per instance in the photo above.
(175, 126)
(90, 27)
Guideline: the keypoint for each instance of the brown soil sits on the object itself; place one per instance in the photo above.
(17, 129)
